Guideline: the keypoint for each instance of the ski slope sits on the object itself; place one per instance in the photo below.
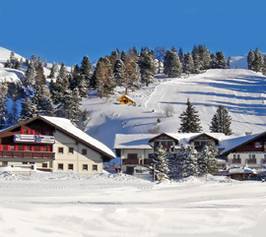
(239, 90)
(67, 205)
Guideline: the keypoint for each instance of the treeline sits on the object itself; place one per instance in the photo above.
(256, 61)
(60, 93)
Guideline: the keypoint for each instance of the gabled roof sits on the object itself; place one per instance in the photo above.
(235, 142)
(141, 141)
(133, 141)
(202, 134)
(128, 97)
(163, 134)
(66, 127)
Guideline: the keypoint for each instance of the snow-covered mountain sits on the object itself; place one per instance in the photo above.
(240, 90)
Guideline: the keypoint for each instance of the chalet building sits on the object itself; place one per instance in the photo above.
(137, 150)
(248, 150)
(52, 144)
(235, 152)
(126, 100)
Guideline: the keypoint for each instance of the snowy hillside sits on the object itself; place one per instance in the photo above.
(240, 90)
(5, 53)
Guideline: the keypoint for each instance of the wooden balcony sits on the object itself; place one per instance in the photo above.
(26, 155)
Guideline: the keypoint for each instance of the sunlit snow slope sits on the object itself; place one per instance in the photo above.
(240, 90)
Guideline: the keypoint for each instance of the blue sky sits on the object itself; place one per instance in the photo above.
(65, 30)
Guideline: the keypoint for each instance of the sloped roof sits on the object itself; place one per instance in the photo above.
(128, 97)
(133, 141)
(65, 126)
(233, 142)
(141, 141)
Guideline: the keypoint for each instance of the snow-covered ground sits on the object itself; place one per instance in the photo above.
(241, 91)
(110, 205)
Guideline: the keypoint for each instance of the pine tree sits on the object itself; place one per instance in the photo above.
(188, 64)
(204, 58)
(220, 60)
(147, 67)
(250, 59)
(29, 109)
(42, 100)
(181, 56)
(132, 72)
(189, 164)
(221, 121)
(53, 71)
(86, 67)
(212, 161)
(70, 106)
(160, 165)
(86, 73)
(39, 77)
(197, 64)
(59, 87)
(119, 72)
(257, 64)
(104, 77)
(175, 164)
(172, 65)
(203, 161)
(3, 108)
(190, 121)
(30, 75)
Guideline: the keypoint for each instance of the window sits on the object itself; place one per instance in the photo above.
(84, 167)
(258, 145)
(252, 159)
(84, 152)
(70, 167)
(44, 165)
(61, 150)
(60, 166)
(24, 163)
(94, 167)
(71, 150)
(236, 161)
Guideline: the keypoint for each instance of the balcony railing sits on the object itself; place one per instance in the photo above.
(26, 155)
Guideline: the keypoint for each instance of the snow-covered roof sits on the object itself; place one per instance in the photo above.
(133, 141)
(231, 142)
(70, 128)
(141, 141)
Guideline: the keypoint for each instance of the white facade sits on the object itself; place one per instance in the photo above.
(250, 159)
